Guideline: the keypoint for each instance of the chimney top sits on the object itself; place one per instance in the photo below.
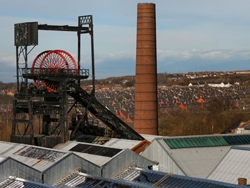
(146, 3)
(242, 181)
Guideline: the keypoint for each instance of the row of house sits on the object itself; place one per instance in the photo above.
(189, 97)
(210, 84)
(7, 92)
(216, 73)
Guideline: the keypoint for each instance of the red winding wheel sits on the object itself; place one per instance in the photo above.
(35, 67)
(50, 63)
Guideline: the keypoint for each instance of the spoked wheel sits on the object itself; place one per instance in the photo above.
(35, 67)
(52, 62)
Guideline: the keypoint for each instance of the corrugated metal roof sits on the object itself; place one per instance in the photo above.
(67, 145)
(84, 180)
(19, 183)
(122, 143)
(40, 153)
(95, 150)
(97, 160)
(7, 147)
(206, 141)
(234, 165)
(92, 157)
(37, 157)
(152, 137)
(2, 159)
(193, 162)
(160, 179)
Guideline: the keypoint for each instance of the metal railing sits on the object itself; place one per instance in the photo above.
(42, 71)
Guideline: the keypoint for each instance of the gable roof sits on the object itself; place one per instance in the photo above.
(97, 154)
(194, 162)
(194, 156)
(38, 158)
(234, 165)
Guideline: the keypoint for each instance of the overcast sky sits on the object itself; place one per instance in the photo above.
(192, 35)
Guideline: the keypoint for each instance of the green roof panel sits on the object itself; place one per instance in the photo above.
(212, 141)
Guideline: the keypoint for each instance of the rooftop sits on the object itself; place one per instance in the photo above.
(97, 154)
(207, 141)
(13, 182)
(234, 165)
(81, 180)
(38, 158)
(161, 179)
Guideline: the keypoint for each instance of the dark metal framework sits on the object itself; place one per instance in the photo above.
(88, 101)
(30, 100)
(52, 103)
(26, 34)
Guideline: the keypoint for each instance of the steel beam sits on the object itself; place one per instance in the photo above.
(63, 28)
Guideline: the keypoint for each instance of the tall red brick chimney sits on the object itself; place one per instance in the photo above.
(146, 109)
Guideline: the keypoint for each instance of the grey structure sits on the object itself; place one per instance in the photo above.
(191, 160)
(234, 165)
(12, 167)
(66, 166)
(41, 164)
(109, 165)
(122, 143)
(13, 182)
(161, 179)
(80, 180)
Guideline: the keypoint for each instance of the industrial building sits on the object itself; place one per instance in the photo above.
(233, 166)
(79, 164)
(110, 161)
(40, 164)
(130, 177)
(116, 162)
(161, 179)
(194, 156)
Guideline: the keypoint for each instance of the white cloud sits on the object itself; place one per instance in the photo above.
(185, 32)
(104, 57)
(217, 55)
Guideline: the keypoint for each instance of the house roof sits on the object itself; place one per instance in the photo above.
(232, 128)
(201, 100)
(245, 125)
(234, 165)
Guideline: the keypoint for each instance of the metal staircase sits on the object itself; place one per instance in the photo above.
(101, 112)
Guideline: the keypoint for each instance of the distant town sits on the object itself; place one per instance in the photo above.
(173, 89)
